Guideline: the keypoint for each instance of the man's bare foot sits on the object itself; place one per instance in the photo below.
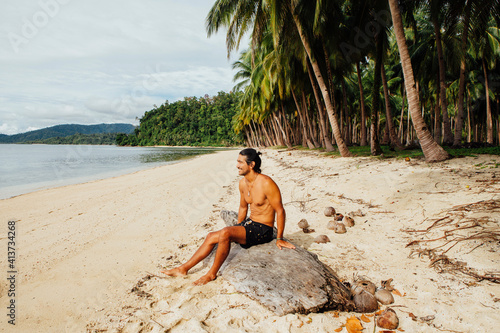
(178, 271)
(204, 280)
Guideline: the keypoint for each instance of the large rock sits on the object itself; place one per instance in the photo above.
(285, 281)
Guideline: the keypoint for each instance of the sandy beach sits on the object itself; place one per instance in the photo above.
(89, 256)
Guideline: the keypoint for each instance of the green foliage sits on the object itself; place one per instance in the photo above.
(204, 121)
(61, 131)
(81, 139)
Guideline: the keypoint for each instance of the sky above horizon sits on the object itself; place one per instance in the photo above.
(108, 61)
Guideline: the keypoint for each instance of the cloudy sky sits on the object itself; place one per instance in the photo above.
(104, 61)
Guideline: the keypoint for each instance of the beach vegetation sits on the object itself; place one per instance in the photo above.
(80, 139)
(71, 134)
(193, 121)
(416, 152)
(345, 73)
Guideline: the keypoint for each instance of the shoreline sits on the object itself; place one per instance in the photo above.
(35, 185)
(91, 253)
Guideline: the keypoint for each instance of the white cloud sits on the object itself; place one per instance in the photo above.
(103, 61)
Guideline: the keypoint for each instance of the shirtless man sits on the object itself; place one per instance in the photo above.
(264, 197)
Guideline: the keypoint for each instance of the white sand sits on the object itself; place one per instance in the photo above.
(82, 248)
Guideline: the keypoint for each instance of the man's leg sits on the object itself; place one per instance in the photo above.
(204, 250)
(226, 236)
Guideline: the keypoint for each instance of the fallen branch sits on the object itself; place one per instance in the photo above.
(457, 227)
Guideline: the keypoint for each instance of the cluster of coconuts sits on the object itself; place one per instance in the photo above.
(366, 297)
(304, 225)
(340, 222)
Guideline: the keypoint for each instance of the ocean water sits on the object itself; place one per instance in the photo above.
(27, 168)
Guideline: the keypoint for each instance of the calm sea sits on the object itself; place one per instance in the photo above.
(27, 168)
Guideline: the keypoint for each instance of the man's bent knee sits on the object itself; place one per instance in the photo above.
(225, 234)
(213, 237)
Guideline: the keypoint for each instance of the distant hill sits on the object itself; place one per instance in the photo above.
(61, 131)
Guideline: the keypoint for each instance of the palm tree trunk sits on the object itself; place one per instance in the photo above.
(344, 128)
(344, 151)
(388, 114)
(324, 133)
(498, 120)
(305, 138)
(437, 115)
(257, 134)
(288, 126)
(248, 141)
(308, 120)
(286, 139)
(489, 118)
(469, 126)
(374, 137)
(401, 117)
(433, 152)
(363, 142)
(276, 130)
(266, 137)
(459, 121)
(255, 142)
(447, 135)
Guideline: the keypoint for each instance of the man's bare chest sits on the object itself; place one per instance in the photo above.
(257, 200)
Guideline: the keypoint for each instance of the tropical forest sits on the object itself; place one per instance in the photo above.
(203, 121)
(338, 74)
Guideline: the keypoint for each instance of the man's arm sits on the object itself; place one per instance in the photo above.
(273, 194)
(243, 209)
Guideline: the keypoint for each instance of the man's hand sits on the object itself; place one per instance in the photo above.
(280, 243)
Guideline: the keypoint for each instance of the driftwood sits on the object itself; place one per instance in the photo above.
(285, 281)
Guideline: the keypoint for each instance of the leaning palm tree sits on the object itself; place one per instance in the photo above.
(240, 16)
(433, 152)
(296, 9)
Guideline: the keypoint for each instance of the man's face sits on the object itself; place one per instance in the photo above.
(242, 166)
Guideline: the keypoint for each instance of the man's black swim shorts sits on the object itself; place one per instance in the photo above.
(256, 233)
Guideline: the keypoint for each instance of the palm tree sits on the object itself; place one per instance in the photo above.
(388, 114)
(490, 52)
(363, 141)
(243, 15)
(475, 13)
(377, 76)
(305, 37)
(433, 152)
(461, 92)
(436, 7)
(487, 49)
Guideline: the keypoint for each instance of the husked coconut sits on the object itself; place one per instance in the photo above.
(364, 285)
(331, 225)
(329, 211)
(348, 221)
(339, 217)
(303, 224)
(384, 296)
(322, 239)
(387, 285)
(365, 302)
(340, 228)
(388, 319)
(307, 230)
